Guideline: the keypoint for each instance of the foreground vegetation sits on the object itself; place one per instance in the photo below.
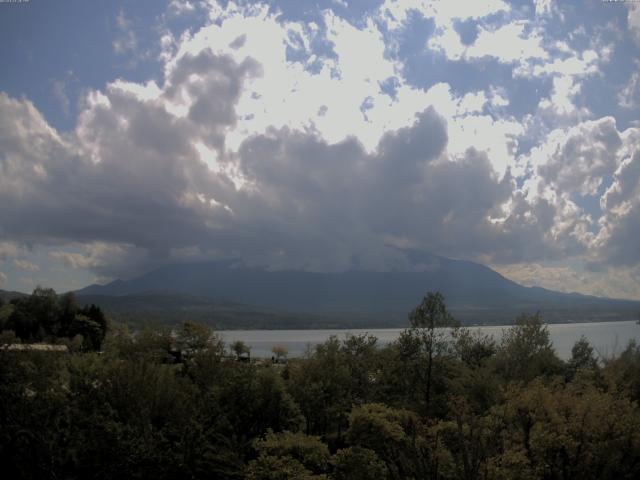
(174, 404)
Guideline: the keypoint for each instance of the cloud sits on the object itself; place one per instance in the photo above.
(302, 145)
(140, 183)
(93, 256)
(593, 160)
(141, 180)
(9, 250)
(508, 44)
(633, 22)
(620, 225)
(629, 96)
(26, 265)
(579, 158)
(59, 91)
(3, 279)
(181, 7)
(395, 13)
(127, 40)
(614, 283)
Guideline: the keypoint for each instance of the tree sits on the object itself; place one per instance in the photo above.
(526, 351)
(36, 316)
(280, 351)
(472, 376)
(427, 333)
(357, 463)
(67, 311)
(553, 430)
(623, 372)
(98, 332)
(321, 386)
(193, 337)
(473, 348)
(46, 316)
(469, 438)
(268, 467)
(90, 331)
(289, 455)
(582, 358)
(5, 312)
(43, 306)
(240, 348)
(393, 435)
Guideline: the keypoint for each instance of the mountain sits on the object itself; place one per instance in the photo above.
(473, 292)
(8, 296)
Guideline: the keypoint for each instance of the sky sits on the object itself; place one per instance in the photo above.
(323, 135)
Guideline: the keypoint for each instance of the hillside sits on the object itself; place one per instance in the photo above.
(474, 293)
(10, 295)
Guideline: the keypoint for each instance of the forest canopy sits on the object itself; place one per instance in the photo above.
(179, 403)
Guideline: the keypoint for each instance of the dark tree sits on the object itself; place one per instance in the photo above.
(428, 321)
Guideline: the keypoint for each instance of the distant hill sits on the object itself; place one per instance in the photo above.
(8, 296)
(474, 293)
(151, 308)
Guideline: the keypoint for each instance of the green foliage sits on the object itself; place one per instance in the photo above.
(267, 467)
(45, 316)
(564, 431)
(8, 337)
(308, 450)
(623, 373)
(582, 356)
(240, 349)
(432, 313)
(165, 404)
(422, 353)
(5, 312)
(473, 348)
(394, 437)
(338, 375)
(357, 463)
(193, 337)
(526, 351)
(153, 346)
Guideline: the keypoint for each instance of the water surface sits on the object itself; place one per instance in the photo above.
(607, 338)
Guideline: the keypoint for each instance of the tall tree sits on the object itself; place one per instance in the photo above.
(428, 322)
(526, 351)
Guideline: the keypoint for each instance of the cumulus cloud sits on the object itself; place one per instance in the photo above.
(579, 158)
(308, 203)
(617, 240)
(256, 144)
(444, 12)
(26, 265)
(139, 182)
(3, 279)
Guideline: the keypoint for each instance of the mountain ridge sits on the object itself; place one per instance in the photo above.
(474, 292)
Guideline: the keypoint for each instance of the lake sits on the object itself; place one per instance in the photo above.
(607, 338)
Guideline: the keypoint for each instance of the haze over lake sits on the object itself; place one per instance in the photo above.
(607, 338)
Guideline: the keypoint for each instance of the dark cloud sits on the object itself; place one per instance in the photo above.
(212, 84)
(584, 156)
(618, 240)
(132, 177)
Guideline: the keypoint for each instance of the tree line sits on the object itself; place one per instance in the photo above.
(435, 404)
(45, 316)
